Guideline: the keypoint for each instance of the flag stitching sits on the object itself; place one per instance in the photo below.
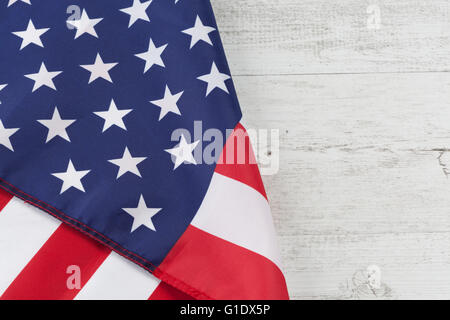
(162, 275)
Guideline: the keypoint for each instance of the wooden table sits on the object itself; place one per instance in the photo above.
(360, 93)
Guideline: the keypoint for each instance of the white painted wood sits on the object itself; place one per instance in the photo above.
(364, 122)
(360, 181)
(325, 36)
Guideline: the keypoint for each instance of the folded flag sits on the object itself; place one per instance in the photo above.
(115, 119)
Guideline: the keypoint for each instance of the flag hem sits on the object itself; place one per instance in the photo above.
(94, 234)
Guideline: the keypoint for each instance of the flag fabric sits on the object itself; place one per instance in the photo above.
(114, 181)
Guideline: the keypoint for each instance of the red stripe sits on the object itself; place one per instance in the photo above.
(238, 148)
(167, 292)
(4, 198)
(222, 270)
(45, 277)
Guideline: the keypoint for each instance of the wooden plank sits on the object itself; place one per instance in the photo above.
(413, 266)
(267, 37)
(360, 181)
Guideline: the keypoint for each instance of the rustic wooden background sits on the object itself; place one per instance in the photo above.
(363, 110)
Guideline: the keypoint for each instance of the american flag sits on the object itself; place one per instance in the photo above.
(105, 190)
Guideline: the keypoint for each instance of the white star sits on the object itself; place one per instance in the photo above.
(56, 126)
(113, 116)
(85, 25)
(199, 32)
(71, 178)
(168, 103)
(43, 78)
(99, 69)
(183, 152)
(152, 56)
(127, 164)
(142, 215)
(215, 80)
(137, 11)
(31, 35)
(5, 135)
(11, 2)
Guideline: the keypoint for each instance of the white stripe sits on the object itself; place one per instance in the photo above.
(23, 231)
(119, 279)
(239, 214)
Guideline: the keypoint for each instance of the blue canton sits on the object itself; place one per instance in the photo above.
(91, 92)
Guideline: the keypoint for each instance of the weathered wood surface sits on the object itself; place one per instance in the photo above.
(311, 36)
(364, 120)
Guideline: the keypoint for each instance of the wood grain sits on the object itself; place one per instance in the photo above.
(360, 181)
(323, 36)
(364, 123)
